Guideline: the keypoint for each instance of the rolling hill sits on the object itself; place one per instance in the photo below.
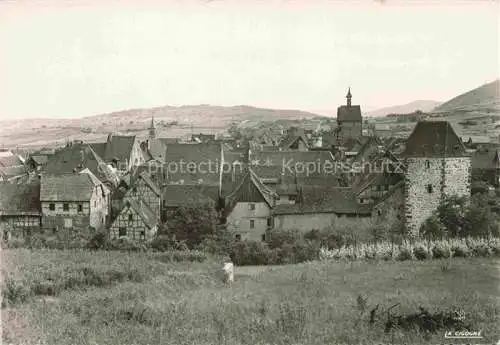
(485, 97)
(171, 122)
(423, 105)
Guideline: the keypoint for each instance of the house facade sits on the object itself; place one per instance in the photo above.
(20, 212)
(248, 209)
(135, 221)
(73, 201)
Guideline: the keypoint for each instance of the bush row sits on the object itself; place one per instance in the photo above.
(417, 250)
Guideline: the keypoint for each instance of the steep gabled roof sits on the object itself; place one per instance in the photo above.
(486, 159)
(19, 199)
(143, 211)
(249, 181)
(9, 161)
(349, 113)
(68, 187)
(144, 176)
(434, 139)
(324, 200)
(13, 171)
(205, 158)
(99, 149)
(119, 147)
(78, 156)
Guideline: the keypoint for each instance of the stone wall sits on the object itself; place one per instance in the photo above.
(427, 181)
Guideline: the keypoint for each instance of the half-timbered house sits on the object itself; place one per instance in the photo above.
(135, 221)
(20, 211)
(77, 201)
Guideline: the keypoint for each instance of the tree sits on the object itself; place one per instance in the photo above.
(191, 224)
(433, 228)
(451, 214)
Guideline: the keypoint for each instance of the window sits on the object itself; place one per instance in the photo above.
(269, 222)
(134, 190)
(238, 237)
(52, 207)
(252, 223)
(379, 212)
(143, 234)
(251, 207)
(65, 207)
(429, 188)
(291, 198)
(130, 217)
(122, 232)
(263, 237)
(80, 208)
(427, 164)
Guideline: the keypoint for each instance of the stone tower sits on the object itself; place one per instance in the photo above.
(437, 166)
(349, 121)
(152, 129)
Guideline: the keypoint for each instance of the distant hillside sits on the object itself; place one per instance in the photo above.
(485, 97)
(170, 121)
(423, 105)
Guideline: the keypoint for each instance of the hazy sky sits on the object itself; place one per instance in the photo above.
(91, 57)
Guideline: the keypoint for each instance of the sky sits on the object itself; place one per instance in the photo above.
(64, 59)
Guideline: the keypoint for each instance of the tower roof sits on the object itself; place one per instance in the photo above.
(349, 95)
(434, 139)
(152, 125)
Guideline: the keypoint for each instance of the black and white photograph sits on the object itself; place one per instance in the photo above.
(248, 172)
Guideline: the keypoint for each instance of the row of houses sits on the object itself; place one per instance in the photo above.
(131, 187)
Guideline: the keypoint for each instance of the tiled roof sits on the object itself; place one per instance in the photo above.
(283, 159)
(290, 139)
(434, 139)
(68, 187)
(77, 156)
(193, 163)
(157, 149)
(13, 171)
(119, 147)
(18, 199)
(10, 161)
(99, 148)
(486, 159)
(143, 211)
(249, 179)
(189, 195)
(349, 113)
(324, 200)
(144, 176)
(39, 159)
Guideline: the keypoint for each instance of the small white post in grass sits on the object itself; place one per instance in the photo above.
(228, 272)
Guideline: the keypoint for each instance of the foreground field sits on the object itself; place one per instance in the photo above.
(68, 297)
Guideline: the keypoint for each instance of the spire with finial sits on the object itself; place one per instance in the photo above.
(152, 128)
(349, 96)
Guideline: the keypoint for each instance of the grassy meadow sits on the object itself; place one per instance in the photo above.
(118, 298)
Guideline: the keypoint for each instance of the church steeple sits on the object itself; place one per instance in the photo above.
(152, 129)
(349, 96)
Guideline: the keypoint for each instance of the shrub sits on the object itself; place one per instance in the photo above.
(181, 256)
(460, 251)
(14, 292)
(404, 254)
(98, 241)
(421, 253)
(250, 253)
(440, 251)
(481, 251)
(164, 243)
